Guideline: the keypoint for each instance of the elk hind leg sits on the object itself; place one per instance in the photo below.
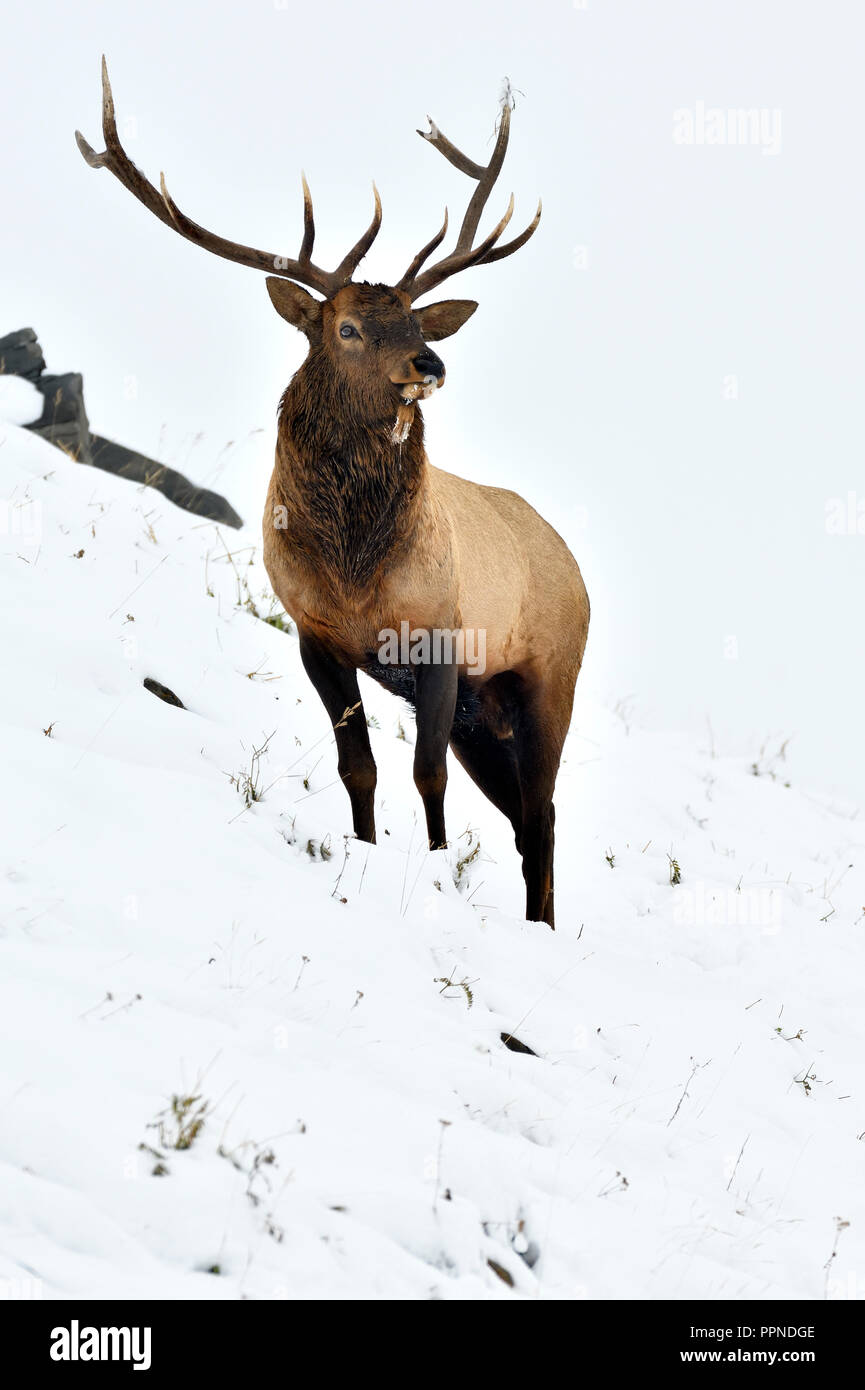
(491, 763)
(538, 753)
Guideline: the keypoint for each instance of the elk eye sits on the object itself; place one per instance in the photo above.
(348, 332)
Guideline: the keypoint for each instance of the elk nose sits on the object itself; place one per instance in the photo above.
(429, 364)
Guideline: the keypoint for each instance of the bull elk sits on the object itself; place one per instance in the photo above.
(363, 535)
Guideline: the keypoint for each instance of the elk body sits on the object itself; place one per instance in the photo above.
(362, 535)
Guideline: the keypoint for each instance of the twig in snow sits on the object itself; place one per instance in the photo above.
(736, 1164)
(840, 1225)
(696, 1067)
(405, 875)
(342, 870)
(617, 1184)
(445, 1124)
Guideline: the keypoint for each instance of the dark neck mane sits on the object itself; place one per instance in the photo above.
(351, 494)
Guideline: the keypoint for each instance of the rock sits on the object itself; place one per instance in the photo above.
(163, 692)
(21, 355)
(64, 419)
(514, 1045)
(64, 422)
(114, 458)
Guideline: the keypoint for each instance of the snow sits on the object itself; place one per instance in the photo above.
(366, 1133)
(20, 402)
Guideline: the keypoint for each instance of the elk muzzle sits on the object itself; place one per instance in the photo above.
(420, 375)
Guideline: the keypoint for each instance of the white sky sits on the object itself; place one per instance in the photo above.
(597, 392)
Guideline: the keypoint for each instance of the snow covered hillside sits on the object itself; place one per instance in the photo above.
(246, 1056)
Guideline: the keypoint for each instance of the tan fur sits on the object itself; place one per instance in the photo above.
(474, 557)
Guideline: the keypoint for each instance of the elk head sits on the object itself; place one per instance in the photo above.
(370, 340)
(370, 337)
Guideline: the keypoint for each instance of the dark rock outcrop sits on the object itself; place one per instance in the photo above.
(114, 458)
(64, 422)
(21, 355)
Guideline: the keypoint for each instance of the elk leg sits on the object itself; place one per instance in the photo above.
(492, 766)
(538, 754)
(339, 692)
(538, 841)
(521, 796)
(435, 703)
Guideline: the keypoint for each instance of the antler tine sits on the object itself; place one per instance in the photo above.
(461, 260)
(422, 255)
(349, 264)
(115, 158)
(510, 246)
(308, 223)
(162, 205)
(464, 253)
(284, 266)
(456, 157)
(485, 184)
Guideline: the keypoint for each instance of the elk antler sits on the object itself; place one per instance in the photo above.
(163, 206)
(464, 253)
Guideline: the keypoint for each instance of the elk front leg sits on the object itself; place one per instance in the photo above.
(337, 686)
(435, 703)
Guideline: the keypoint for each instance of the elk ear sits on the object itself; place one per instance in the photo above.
(442, 319)
(294, 305)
